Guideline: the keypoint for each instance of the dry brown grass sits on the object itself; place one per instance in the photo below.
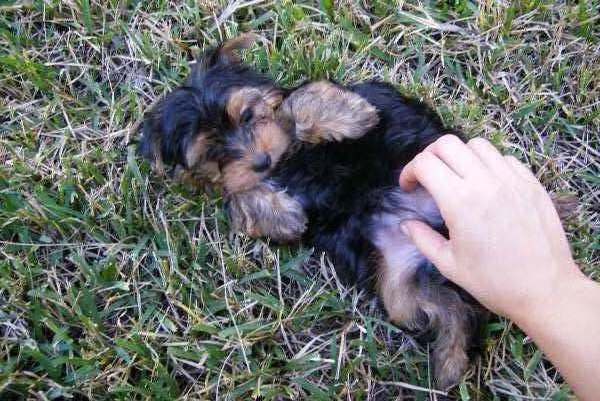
(117, 285)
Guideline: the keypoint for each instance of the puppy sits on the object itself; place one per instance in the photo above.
(320, 163)
(348, 147)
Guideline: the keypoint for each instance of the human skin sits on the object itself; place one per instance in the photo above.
(508, 249)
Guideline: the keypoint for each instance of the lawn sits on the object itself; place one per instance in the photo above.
(116, 284)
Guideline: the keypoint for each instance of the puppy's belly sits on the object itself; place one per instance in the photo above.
(400, 256)
(396, 207)
(401, 266)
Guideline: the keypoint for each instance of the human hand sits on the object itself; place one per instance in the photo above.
(506, 244)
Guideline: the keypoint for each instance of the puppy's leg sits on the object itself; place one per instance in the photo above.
(264, 211)
(454, 322)
(323, 111)
(425, 306)
(414, 294)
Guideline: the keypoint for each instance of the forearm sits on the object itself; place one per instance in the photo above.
(566, 326)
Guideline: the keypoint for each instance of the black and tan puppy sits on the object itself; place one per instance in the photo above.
(348, 147)
(320, 164)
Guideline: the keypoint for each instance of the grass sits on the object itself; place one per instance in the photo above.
(117, 285)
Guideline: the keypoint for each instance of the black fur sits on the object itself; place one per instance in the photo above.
(341, 185)
(344, 186)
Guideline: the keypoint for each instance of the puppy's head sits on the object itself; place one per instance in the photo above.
(257, 144)
(193, 125)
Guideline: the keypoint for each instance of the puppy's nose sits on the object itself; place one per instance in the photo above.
(261, 162)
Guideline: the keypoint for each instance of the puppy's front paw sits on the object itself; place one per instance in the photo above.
(287, 223)
(264, 212)
(323, 111)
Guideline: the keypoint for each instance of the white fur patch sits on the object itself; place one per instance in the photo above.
(397, 249)
(399, 252)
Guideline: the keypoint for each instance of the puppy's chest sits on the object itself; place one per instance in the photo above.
(333, 177)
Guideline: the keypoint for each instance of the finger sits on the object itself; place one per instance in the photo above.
(490, 156)
(520, 169)
(432, 244)
(555, 211)
(431, 173)
(456, 155)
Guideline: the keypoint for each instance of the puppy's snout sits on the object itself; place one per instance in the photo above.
(261, 162)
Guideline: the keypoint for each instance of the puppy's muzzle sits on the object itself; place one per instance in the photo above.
(261, 162)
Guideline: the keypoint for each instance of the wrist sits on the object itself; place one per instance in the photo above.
(551, 300)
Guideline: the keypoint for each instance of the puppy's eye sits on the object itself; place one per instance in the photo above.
(246, 116)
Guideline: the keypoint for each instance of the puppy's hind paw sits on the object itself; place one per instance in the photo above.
(449, 367)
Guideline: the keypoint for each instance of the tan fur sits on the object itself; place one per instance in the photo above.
(395, 275)
(408, 304)
(239, 100)
(229, 51)
(199, 171)
(262, 100)
(322, 111)
(158, 165)
(197, 150)
(243, 41)
(269, 138)
(238, 176)
(207, 173)
(201, 180)
(421, 306)
(264, 212)
(272, 97)
(450, 359)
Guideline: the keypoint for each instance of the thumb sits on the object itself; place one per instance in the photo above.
(432, 244)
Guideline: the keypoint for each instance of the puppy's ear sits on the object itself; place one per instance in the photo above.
(170, 128)
(227, 52)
